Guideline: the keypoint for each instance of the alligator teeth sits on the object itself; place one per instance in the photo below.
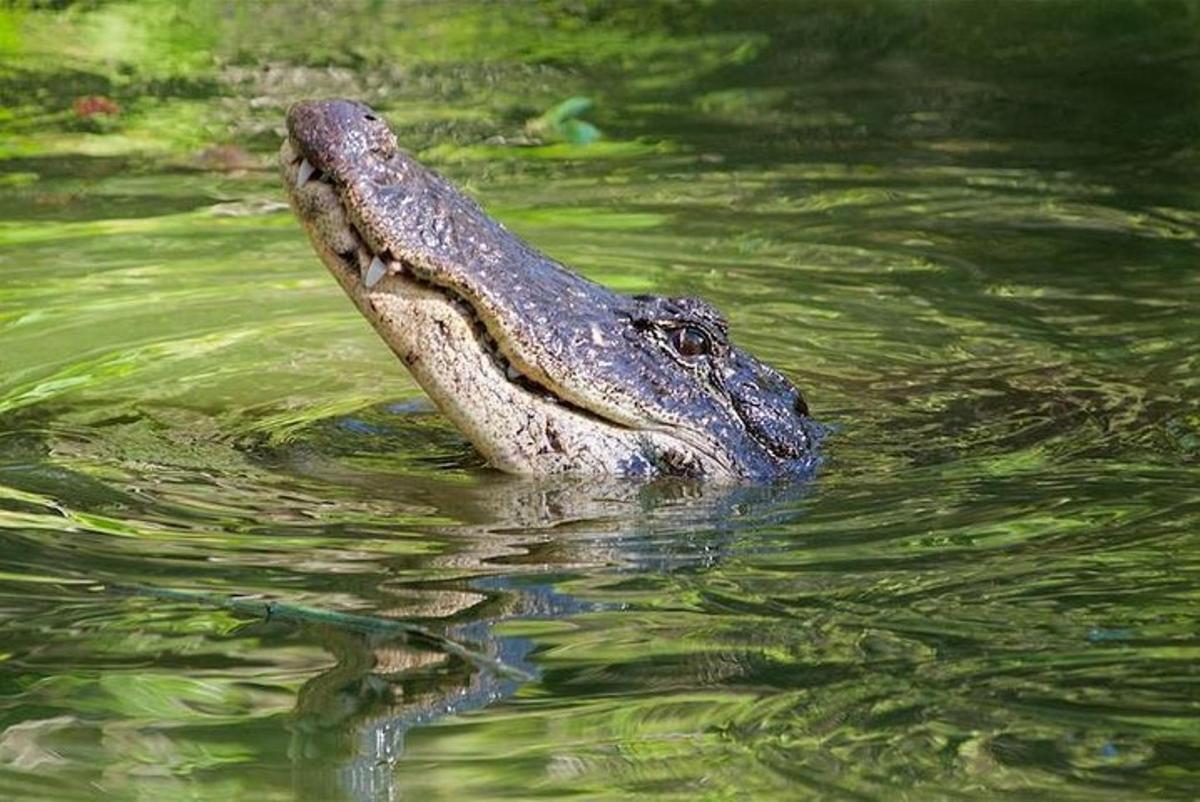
(375, 272)
(512, 373)
(306, 172)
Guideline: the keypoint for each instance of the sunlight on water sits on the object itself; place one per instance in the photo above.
(985, 282)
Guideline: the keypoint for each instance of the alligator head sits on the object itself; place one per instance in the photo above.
(541, 369)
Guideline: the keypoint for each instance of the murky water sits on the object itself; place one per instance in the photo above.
(984, 276)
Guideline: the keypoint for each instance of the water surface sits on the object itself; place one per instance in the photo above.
(970, 234)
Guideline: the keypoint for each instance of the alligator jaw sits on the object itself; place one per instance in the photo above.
(520, 425)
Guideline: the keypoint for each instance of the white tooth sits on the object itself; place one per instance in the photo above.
(511, 372)
(306, 171)
(375, 272)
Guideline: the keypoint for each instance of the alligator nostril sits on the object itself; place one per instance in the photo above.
(371, 117)
(801, 406)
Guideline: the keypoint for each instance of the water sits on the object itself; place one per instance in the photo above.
(969, 234)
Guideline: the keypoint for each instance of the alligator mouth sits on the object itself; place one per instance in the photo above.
(317, 199)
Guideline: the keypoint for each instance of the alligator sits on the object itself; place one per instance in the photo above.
(541, 369)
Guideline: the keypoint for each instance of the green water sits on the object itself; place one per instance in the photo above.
(969, 231)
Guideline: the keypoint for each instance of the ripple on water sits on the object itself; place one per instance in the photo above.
(989, 592)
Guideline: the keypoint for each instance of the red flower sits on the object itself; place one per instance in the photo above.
(91, 105)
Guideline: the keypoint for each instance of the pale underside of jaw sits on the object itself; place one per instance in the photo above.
(373, 269)
(517, 424)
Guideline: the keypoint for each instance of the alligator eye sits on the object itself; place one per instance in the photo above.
(689, 341)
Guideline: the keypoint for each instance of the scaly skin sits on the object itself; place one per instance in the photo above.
(541, 369)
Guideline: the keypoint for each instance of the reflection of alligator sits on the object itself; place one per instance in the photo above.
(351, 720)
(542, 370)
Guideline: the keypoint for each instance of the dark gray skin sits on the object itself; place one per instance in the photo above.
(598, 382)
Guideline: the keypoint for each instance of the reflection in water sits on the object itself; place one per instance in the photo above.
(349, 725)
(969, 231)
(503, 547)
